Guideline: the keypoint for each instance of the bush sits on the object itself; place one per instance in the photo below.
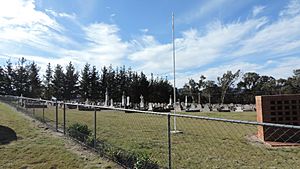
(81, 132)
(133, 160)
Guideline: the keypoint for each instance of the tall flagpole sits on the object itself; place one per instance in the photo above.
(174, 87)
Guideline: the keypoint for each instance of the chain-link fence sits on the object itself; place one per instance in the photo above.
(143, 139)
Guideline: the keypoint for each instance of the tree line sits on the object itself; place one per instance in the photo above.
(67, 83)
(228, 90)
(23, 78)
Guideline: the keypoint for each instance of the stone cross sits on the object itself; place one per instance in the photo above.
(142, 102)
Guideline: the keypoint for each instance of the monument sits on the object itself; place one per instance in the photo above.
(280, 109)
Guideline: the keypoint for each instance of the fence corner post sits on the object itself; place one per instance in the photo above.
(169, 142)
(56, 116)
(95, 127)
(64, 118)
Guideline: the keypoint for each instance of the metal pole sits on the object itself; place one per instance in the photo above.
(44, 113)
(169, 142)
(95, 127)
(56, 115)
(64, 118)
(174, 87)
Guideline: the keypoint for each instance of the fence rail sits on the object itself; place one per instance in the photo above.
(144, 139)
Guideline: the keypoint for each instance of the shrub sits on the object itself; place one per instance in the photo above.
(81, 132)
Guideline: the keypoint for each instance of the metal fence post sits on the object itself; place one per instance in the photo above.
(44, 113)
(95, 126)
(56, 115)
(169, 141)
(64, 118)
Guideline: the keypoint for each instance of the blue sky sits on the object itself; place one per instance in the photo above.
(211, 36)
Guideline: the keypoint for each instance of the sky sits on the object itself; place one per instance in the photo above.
(211, 37)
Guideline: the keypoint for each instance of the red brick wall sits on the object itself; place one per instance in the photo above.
(280, 109)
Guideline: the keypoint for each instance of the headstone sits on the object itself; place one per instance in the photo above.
(111, 103)
(247, 107)
(170, 100)
(186, 102)
(128, 101)
(206, 108)
(87, 101)
(177, 108)
(106, 98)
(123, 99)
(238, 109)
(142, 102)
(150, 107)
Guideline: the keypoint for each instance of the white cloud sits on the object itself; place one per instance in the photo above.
(257, 10)
(292, 9)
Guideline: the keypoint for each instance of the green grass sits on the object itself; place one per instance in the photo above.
(203, 144)
(36, 148)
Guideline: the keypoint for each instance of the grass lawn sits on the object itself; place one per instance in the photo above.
(203, 144)
(39, 148)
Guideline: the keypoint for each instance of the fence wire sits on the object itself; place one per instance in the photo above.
(139, 139)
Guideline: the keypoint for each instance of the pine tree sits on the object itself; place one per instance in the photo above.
(58, 82)
(95, 85)
(2, 81)
(9, 75)
(84, 88)
(34, 81)
(71, 81)
(48, 86)
(21, 78)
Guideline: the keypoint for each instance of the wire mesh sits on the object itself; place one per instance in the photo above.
(138, 139)
(217, 144)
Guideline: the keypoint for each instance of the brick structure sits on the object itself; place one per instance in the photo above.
(280, 109)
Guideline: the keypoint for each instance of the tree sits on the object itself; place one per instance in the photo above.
(48, 86)
(58, 82)
(34, 81)
(248, 87)
(95, 88)
(71, 81)
(2, 81)
(9, 75)
(21, 78)
(84, 87)
(227, 81)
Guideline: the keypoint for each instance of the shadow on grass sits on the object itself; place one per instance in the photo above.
(7, 135)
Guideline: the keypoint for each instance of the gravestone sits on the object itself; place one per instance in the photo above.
(206, 108)
(123, 99)
(142, 102)
(150, 106)
(238, 109)
(128, 101)
(106, 98)
(111, 103)
(186, 102)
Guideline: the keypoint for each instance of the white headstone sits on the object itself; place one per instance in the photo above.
(128, 101)
(106, 98)
(142, 102)
(123, 99)
(111, 103)
(150, 106)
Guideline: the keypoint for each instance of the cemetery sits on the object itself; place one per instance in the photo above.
(148, 131)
